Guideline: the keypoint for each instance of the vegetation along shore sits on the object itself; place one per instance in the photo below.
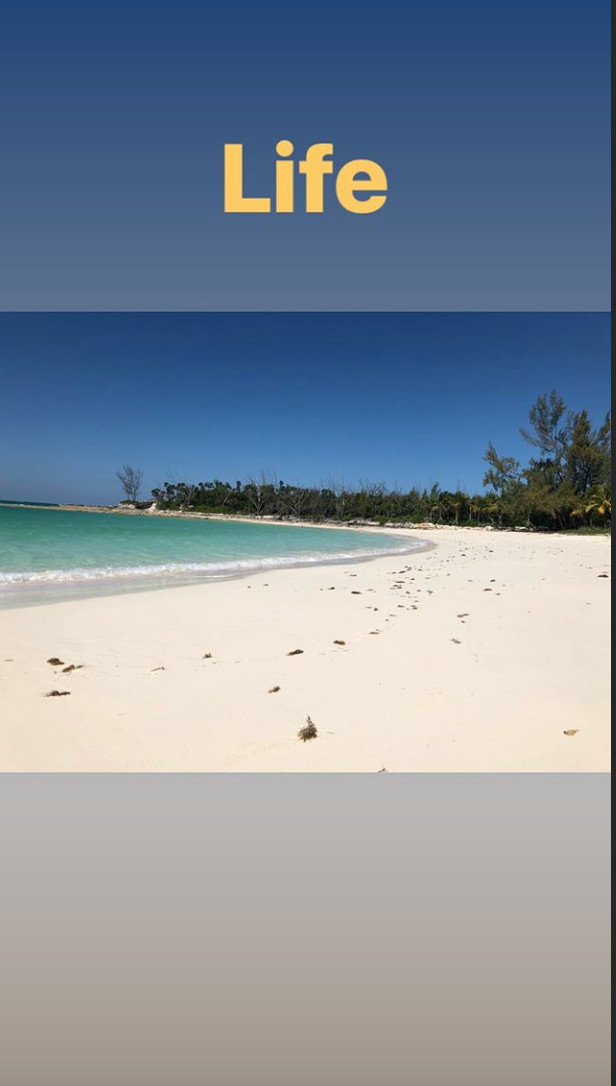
(564, 484)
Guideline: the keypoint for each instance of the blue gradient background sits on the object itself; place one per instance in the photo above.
(491, 120)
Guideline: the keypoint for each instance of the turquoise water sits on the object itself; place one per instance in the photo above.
(52, 553)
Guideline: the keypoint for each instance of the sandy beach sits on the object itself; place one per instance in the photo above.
(480, 654)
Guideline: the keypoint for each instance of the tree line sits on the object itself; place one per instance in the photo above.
(564, 484)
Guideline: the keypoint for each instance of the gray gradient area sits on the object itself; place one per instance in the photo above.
(438, 930)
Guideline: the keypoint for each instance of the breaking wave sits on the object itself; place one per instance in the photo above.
(214, 570)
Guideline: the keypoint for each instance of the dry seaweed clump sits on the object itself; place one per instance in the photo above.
(309, 731)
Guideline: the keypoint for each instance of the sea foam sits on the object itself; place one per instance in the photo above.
(207, 570)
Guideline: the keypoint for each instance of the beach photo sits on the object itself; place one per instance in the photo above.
(305, 542)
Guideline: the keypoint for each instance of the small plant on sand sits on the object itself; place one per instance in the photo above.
(309, 731)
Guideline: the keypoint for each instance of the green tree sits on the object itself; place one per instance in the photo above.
(588, 453)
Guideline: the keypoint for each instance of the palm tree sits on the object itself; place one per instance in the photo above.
(474, 510)
(599, 501)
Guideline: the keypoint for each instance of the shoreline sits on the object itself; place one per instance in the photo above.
(488, 652)
(289, 521)
(60, 585)
(126, 584)
(293, 522)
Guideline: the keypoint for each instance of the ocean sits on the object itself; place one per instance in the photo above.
(50, 554)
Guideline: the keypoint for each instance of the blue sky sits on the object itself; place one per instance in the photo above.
(403, 398)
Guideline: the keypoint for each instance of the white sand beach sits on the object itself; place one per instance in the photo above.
(489, 652)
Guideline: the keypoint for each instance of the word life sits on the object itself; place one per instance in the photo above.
(360, 185)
